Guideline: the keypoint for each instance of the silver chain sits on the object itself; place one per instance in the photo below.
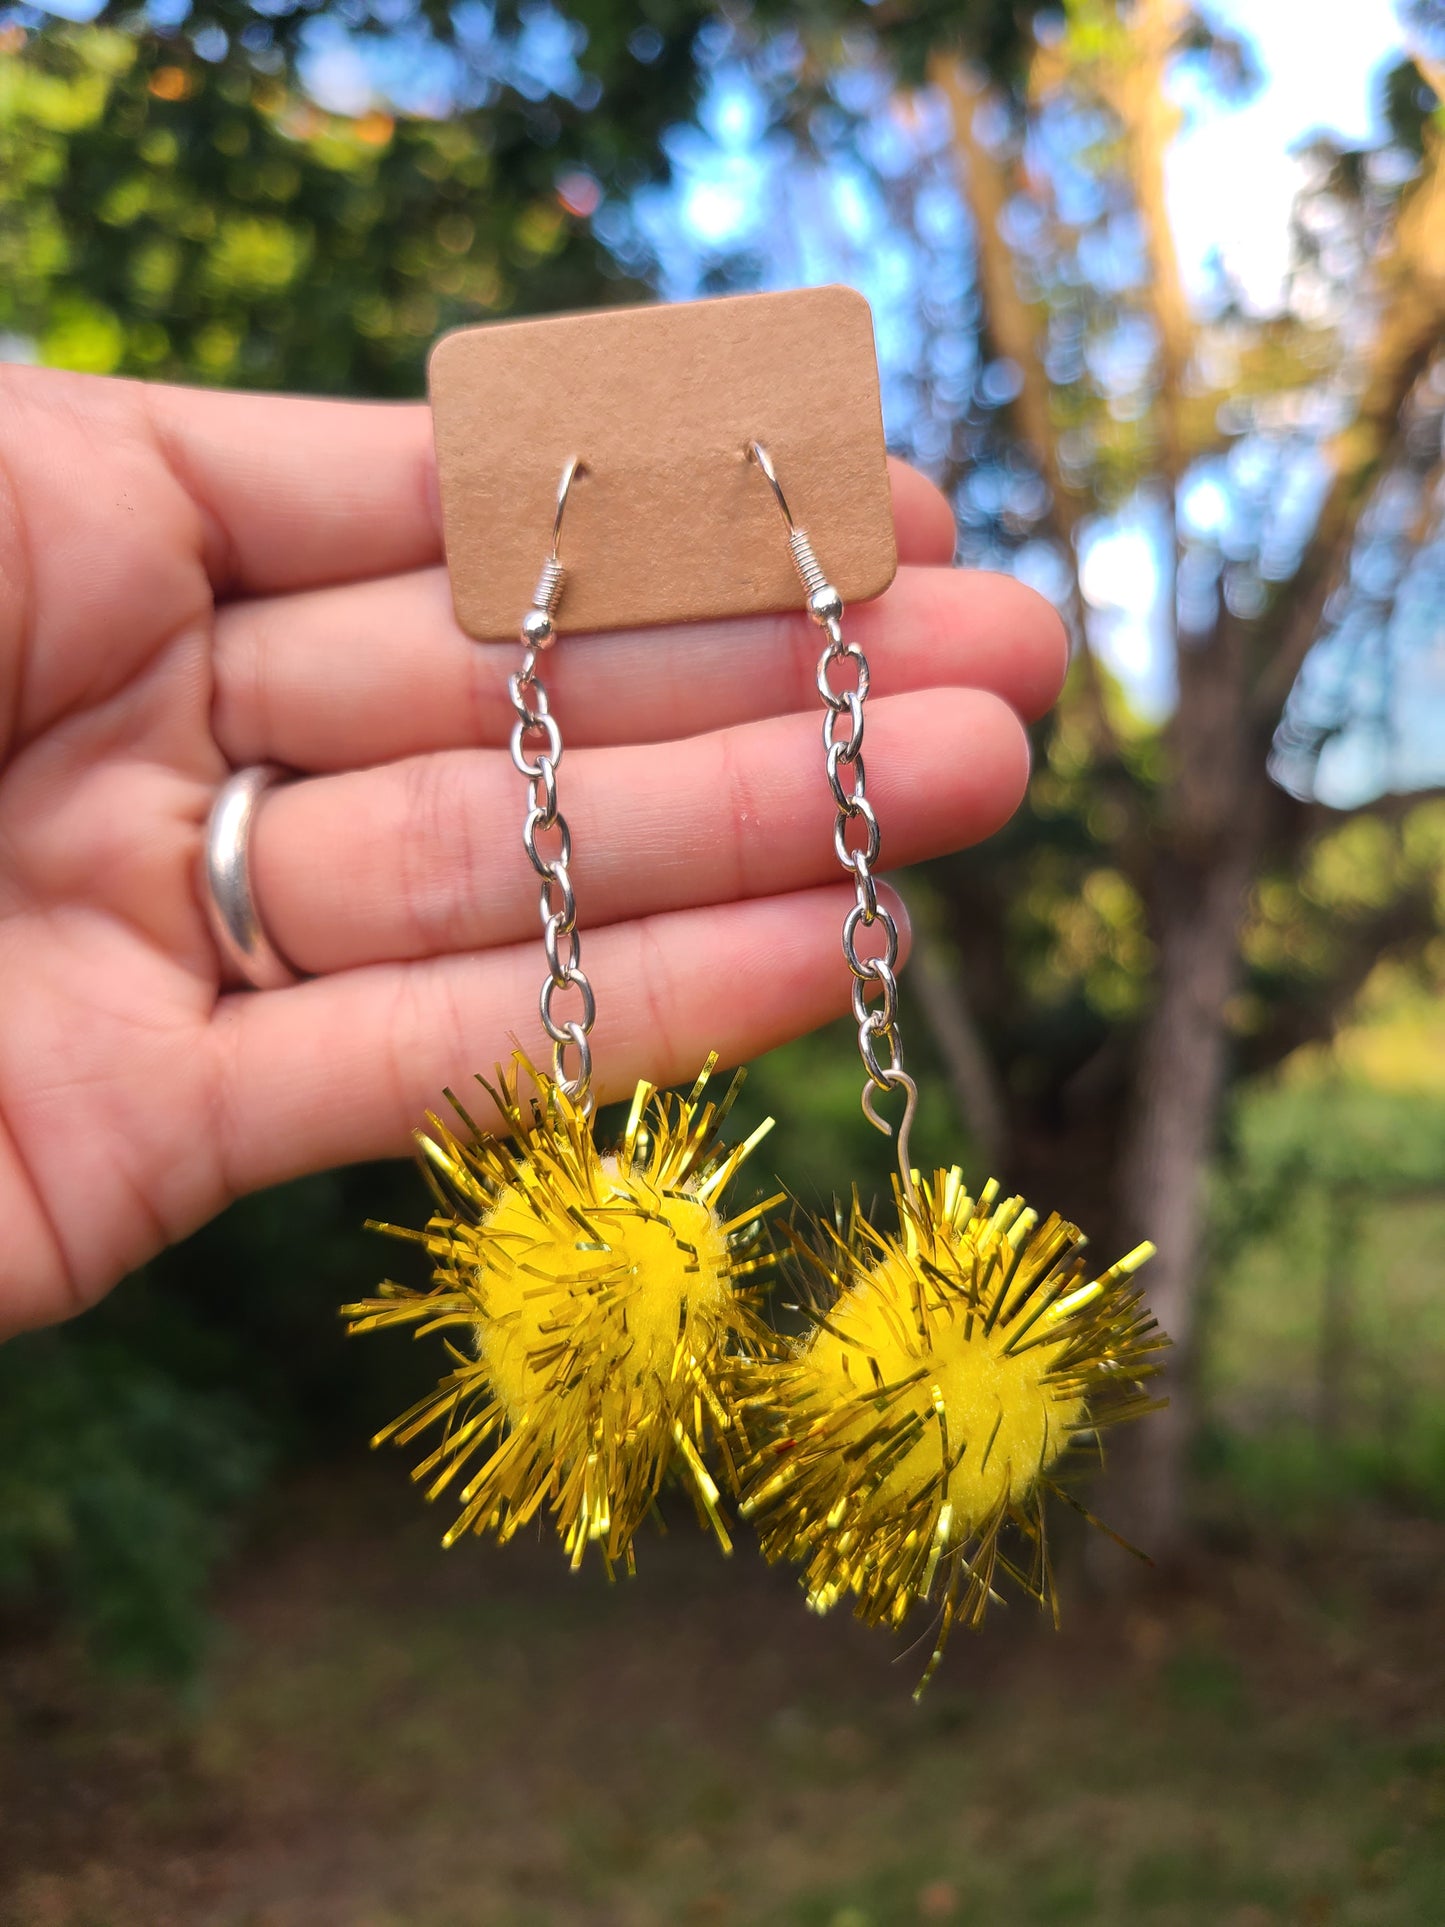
(536, 731)
(878, 1026)
(878, 1022)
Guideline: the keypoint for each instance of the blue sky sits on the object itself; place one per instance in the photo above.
(1232, 180)
(1231, 174)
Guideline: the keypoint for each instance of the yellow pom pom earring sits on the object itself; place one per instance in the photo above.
(955, 1361)
(597, 1304)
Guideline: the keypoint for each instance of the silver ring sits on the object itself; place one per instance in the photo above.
(226, 872)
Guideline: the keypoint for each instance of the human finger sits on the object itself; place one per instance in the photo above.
(923, 522)
(344, 1068)
(425, 856)
(365, 674)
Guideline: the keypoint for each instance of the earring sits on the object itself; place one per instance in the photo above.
(599, 1303)
(956, 1360)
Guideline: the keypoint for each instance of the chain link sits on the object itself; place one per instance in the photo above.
(880, 1043)
(875, 984)
(536, 752)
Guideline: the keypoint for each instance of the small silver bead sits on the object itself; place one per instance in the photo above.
(537, 628)
(825, 604)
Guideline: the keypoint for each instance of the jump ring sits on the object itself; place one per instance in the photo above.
(576, 981)
(857, 807)
(546, 866)
(562, 973)
(869, 1037)
(885, 1011)
(843, 652)
(563, 914)
(859, 915)
(578, 1088)
(850, 802)
(547, 724)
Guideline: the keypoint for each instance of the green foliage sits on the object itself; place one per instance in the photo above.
(996, 33)
(118, 1485)
(173, 216)
(1281, 1478)
(1379, 1144)
(131, 1441)
(1057, 946)
(1332, 1187)
(160, 216)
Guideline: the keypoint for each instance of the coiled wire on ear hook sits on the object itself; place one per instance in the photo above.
(548, 591)
(810, 569)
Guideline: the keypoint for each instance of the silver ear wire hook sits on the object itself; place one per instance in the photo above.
(896, 1080)
(824, 603)
(757, 453)
(537, 627)
(575, 469)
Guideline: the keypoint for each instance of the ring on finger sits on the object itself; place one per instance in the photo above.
(227, 883)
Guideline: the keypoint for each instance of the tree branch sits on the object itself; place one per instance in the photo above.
(1412, 300)
(1011, 323)
(937, 977)
(1136, 89)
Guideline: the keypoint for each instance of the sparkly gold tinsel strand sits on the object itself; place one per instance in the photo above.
(602, 1307)
(950, 1369)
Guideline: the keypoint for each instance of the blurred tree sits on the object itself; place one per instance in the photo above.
(166, 215)
(1213, 875)
(175, 204)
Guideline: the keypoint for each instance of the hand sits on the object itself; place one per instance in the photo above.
(191, 582)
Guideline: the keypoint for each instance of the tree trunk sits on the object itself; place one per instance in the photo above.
(1166, 1153)
(938, 984)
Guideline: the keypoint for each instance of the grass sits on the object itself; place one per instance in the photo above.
(393, 1738)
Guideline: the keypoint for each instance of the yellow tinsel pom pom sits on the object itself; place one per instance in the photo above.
(603, 1306)
(950, 1370)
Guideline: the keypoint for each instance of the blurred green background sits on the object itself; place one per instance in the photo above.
(1160, 295)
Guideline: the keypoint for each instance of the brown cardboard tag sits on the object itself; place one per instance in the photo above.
(672, 522)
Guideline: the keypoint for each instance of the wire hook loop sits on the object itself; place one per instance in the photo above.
(574, 469)
(897, 1080)
(757, 453)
